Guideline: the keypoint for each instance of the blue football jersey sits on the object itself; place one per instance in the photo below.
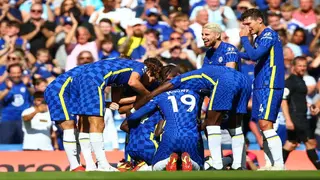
(179, 108)
(142, 132)
(112, 71)
(222, 55)
(269, 70)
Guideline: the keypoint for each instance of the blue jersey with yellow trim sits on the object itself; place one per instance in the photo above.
(142, 133)
(112, 71)
(269, 70)
(179, 108)
(222, 55)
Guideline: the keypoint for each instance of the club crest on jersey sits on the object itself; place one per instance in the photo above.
(256, 45)
(220, 59)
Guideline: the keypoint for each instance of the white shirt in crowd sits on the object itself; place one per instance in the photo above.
(37, 132)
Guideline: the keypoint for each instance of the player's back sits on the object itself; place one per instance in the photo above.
(269, 70)
(142, 132)
(114, 70)
(222, 55)
(180, 109)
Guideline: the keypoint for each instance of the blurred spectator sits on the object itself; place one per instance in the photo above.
(109, 11)
(274, 7)
(107, 29)
(9, 13)
(40, 84)
(291, 24)
(84, 57)
(47, 13)
(39, 134)
(10, 37)
(148, 4)
(3, 27)
(176, 42)
(201, 19)
(222, 15)
(242, 6)
(134, 37)
(274, 21)
(288, 58)
(177, 54)
(62, 7)
(82, 42)
(37, 30)
(174, 5)
(284, 39)
(299, 38)
(14, 57)
(149, 48)
(152, 22)
(315, 41)
(44, 67)
(107, 50)
(15, 96)
(305, 14)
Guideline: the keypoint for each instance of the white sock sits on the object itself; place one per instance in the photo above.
(268, 162)
(96, 140)
(275, 146)
(237, 146)
(70, 147)
(214, 142)
(161, 165)
(195, 166)
(84, 139)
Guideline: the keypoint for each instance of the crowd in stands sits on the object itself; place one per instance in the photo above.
(40, 39)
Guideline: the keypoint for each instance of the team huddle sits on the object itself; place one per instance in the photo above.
(163, 106)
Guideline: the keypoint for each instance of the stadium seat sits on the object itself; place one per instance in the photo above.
(251, 137)
(10, 147)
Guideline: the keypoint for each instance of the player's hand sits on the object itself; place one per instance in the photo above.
(289, 125)
(9, 83)
(42, 108)
(114, 106)
(244, 31)
(314, 110)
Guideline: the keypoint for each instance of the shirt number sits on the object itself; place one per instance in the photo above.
(186, 99)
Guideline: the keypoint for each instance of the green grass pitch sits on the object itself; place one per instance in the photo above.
(236, 175)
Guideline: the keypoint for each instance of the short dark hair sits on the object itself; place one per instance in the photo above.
(282, 32)
(14, 65)
(14, 24)
(39, 81)
(38, 94)
(273, 14)
(106, 21)
(298, 58)
(154, 32)
(167, 70)
(253, 13)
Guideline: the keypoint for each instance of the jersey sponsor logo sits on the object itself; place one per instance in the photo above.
(267, 35)
(261, 109)
(18, 100)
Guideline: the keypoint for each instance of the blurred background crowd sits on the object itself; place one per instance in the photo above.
(48, 37)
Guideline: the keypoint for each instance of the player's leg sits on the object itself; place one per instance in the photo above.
(165, 158)
(268, 104)
(84, 139)
(312, 152)
(290, 144)
(91, 106)
(237, 138)
(220, 102)
(58, 103)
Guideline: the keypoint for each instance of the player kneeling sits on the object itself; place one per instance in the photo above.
(180, 137)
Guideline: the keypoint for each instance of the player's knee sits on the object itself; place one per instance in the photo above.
(311, 144)
(96, 124)
(265, 125)
(67, 124)
(290, 145)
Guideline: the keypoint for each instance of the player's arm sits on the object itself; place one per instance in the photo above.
(125, 108)
(135, 83)
(125, 127)
(232, 57)
(128, 100)
(255, 54)
(165, 87)
(244, 55)
(144, 110)
(159, 129)
(285, 109)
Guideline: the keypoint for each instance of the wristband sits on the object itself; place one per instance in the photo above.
(133, 110)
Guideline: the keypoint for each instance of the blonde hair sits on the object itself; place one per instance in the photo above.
(213, 27)
(287, 7)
